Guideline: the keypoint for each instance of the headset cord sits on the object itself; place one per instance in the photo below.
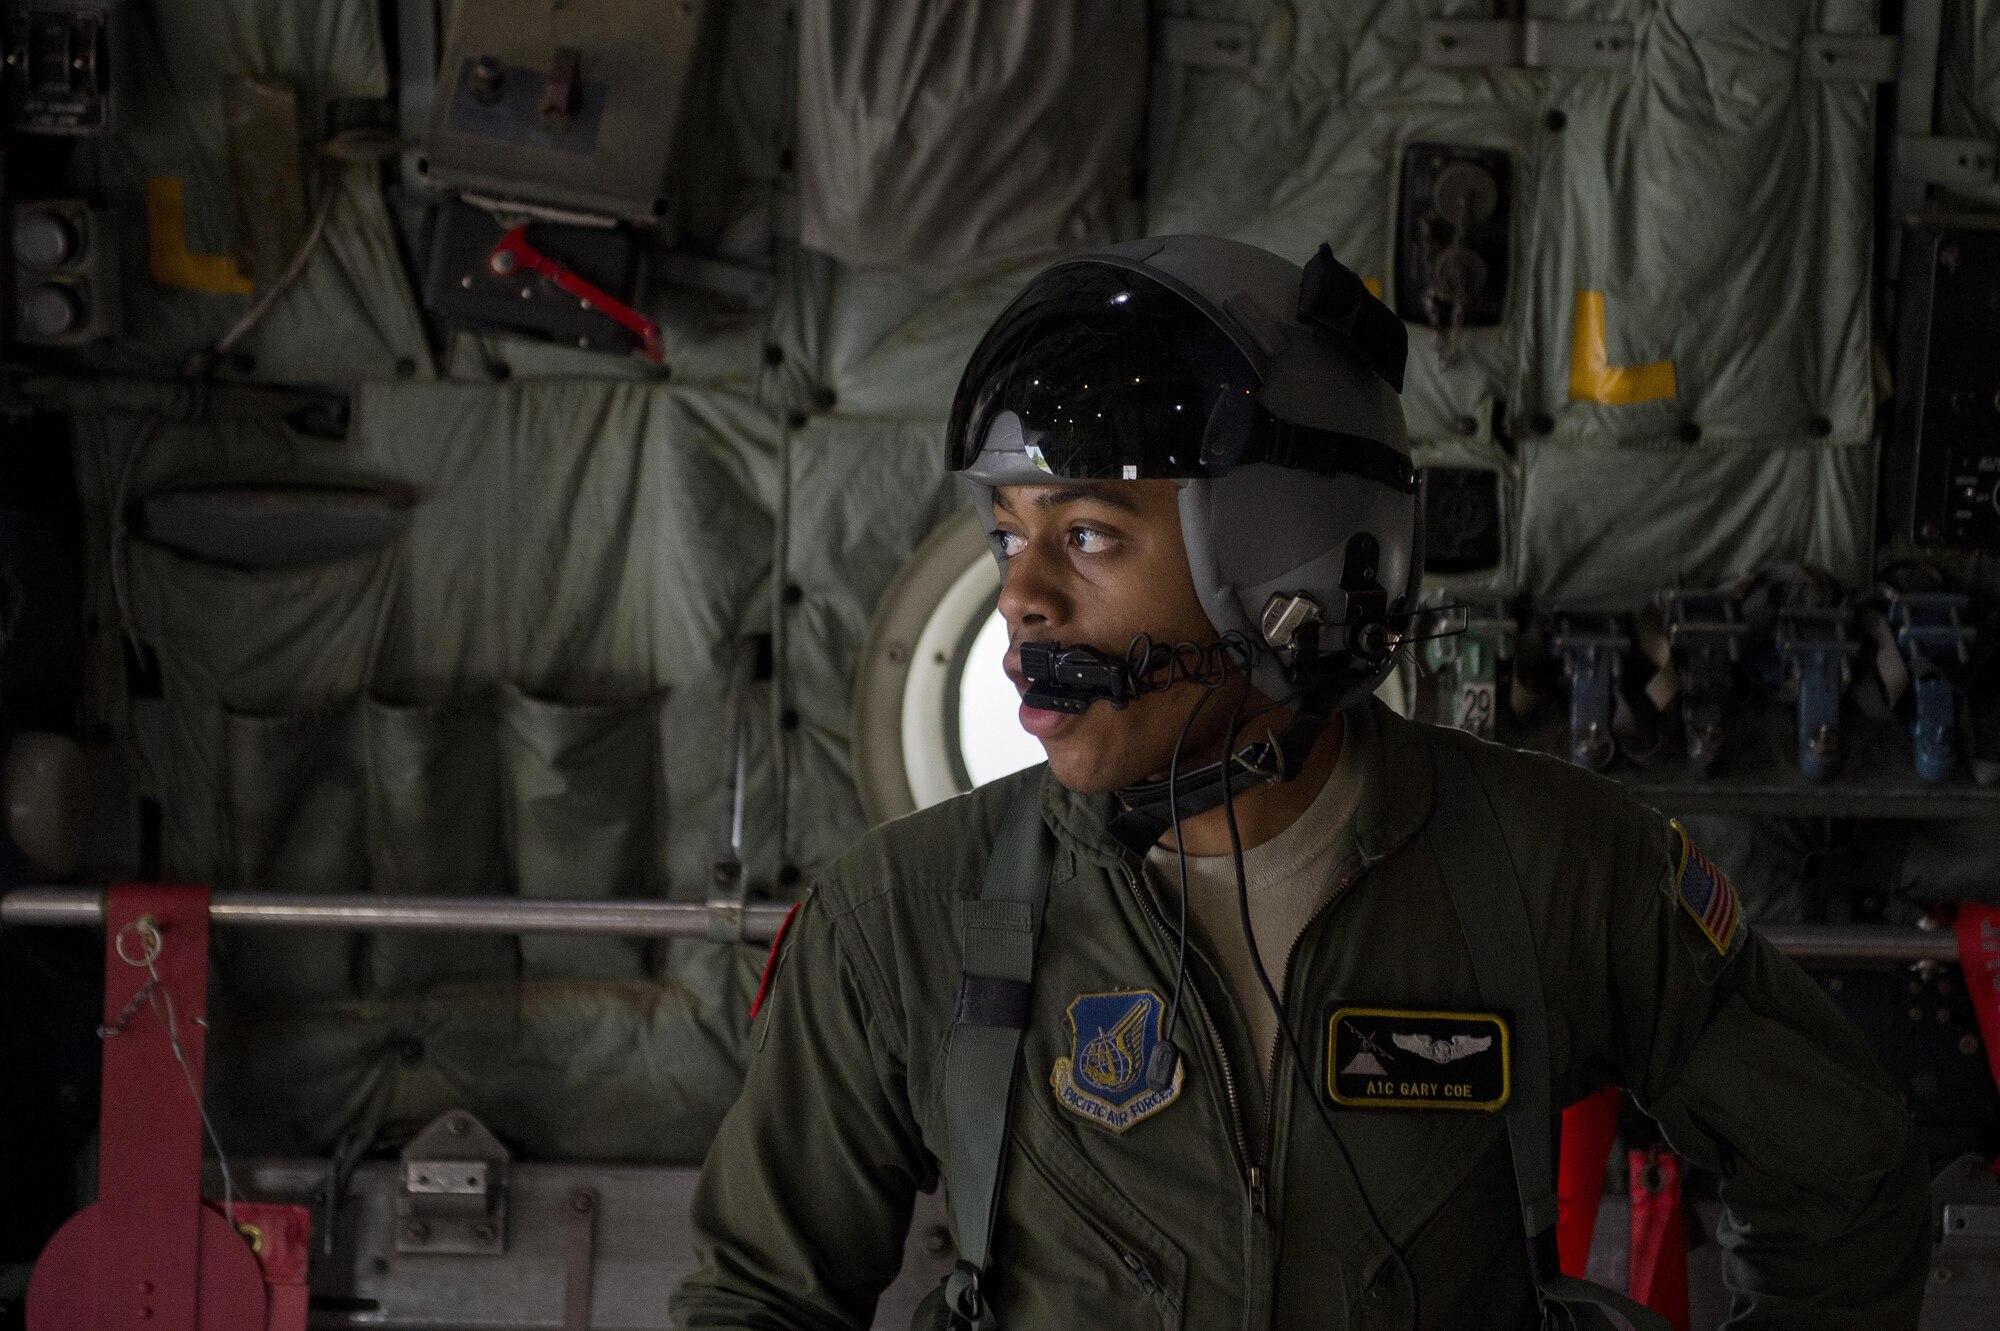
(1290, 1041)
(1160, 1066)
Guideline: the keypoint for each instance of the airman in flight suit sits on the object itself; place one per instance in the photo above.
(1358, 1170)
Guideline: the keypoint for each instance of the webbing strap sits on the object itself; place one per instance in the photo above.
(1486, 895)
(998, 936)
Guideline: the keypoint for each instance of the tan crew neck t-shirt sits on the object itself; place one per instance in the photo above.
(1289, 878)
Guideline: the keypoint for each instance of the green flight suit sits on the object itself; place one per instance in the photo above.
(1222, 1210)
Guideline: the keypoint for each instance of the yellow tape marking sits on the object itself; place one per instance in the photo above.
(1592, 376)
(174, 265)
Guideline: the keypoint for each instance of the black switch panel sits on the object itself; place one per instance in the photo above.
(58, 64)
(1461, 519)
(1941, 471)
(1452, 235)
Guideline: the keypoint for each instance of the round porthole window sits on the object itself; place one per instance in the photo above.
(934, 714)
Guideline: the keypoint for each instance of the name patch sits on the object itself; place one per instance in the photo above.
(1394, 1058)
(1103, 1077)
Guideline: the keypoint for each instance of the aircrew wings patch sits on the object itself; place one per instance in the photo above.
(1397, 1058)
(1706, 893)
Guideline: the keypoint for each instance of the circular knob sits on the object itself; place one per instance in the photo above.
(44, 239)
(1464, 513)
(1466, 191)
(53, 309)
(1458, 274)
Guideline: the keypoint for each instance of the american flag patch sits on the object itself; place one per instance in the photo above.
(1706, 892)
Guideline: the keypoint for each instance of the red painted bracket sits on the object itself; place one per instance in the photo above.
(281, 1237)
(512, 254)
(149, 1254)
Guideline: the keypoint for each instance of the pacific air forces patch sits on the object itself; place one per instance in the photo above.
(1103, 1078)
(1394, 1058)
(1706, 892)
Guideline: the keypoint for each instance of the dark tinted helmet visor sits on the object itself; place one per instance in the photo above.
(1114, 376)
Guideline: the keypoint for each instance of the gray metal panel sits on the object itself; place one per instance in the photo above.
(1868, 58)
(1960, 164)
(1964, 1287)
(1208, 43)
(1533, 43)
(641, 1250)
(634, 57)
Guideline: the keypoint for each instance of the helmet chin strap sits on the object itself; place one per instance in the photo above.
(1150, 805)
(1073, 678)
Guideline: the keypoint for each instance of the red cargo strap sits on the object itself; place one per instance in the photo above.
(1659, 1270)
(1587, 1129)
(1979, 957)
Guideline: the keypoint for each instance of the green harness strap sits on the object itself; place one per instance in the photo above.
(999, 929)
(1486, 895)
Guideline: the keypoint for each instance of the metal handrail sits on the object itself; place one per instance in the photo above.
(502, 915)
(1861, 942)
(673, 919)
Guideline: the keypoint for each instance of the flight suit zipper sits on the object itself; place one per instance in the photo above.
(1253, 1177)
(1268, 1144)
(1278, 1041)
(1260, 1235)
(1130, 1260)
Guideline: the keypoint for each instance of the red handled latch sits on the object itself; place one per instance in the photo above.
(513, 254)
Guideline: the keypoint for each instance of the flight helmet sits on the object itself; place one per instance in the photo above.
(1270, 395)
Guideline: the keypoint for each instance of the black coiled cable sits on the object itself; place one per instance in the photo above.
(1155, 667)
